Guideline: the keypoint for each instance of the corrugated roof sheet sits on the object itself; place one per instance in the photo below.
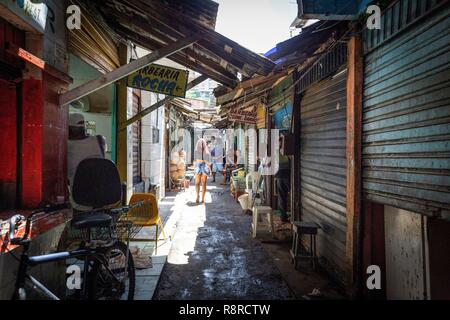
(155, 24)
(297, 52)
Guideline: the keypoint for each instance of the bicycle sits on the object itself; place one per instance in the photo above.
(108, 264)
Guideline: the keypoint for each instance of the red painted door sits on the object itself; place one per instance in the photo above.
(8, 145)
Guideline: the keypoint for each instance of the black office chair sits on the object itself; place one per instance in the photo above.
(96, 185)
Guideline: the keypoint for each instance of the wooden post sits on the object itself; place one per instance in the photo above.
(122, 106)
(354, 145)
(125, 70)
(295, 159)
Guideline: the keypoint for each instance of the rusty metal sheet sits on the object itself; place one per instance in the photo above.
(406, 116)
(323, 167)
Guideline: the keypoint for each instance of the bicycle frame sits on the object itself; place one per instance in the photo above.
(91, 251)
(26, 262)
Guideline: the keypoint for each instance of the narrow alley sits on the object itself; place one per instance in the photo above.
(213, 255)
(318, 129)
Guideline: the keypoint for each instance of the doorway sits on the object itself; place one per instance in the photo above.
(8, 145)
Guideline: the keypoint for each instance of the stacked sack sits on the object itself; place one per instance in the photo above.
(178, 166)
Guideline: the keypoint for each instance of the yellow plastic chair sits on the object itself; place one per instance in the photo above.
(147, 218)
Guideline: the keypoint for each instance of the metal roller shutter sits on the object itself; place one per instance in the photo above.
(93, 44)
(323, 168)
(406, 116)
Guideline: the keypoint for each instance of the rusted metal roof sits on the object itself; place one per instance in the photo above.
(246, 97)
(155, 24)
(299, 53)
(297, 50)
(184, 106)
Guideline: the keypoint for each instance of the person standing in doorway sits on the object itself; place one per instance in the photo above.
(81, 146)
(202, 169)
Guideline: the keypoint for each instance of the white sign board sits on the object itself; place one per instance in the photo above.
(33, 13)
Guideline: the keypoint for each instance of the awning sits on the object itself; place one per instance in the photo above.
(184, 106)
(296, 54)
(181, 31)
(156, 24)
(243, 98)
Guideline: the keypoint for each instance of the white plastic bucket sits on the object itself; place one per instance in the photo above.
(243, 201)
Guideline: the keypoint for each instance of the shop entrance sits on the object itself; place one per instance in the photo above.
(8, 145)
(10, 75)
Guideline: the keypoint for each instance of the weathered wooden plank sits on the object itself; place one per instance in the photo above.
(211, 40)
(157, 105)
(136, 30)
(213, 72)
(125, 70)
(354, 142)
(37, 62)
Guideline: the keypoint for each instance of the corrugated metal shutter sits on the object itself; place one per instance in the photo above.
(137, 170)
(406, 126)
(323, 168)
(93, 44)
(252, 148)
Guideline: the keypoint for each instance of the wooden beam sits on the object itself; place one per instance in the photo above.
(37, 62)
(253, 84)
(182, 57)
(234, 54)
(354, 167)
(125, 70)
(137, 30)
(296, 157)
(122, 115)
(152, 108)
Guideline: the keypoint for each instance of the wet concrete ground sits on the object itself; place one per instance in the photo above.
(213, 255)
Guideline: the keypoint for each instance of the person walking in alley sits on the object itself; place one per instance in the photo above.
(202, 169)
(217, 157)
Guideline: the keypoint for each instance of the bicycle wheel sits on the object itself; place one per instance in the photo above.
(103, 285)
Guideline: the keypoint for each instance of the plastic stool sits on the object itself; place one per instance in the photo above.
(258, 224)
